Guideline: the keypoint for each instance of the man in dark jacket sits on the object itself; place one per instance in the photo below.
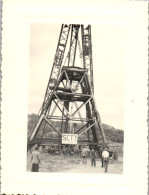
(93, 157)
(101, 150)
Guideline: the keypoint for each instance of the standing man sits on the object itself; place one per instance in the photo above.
(101, 150)
(105, 156)
(84, 155)
(35, 159)
(93, 157)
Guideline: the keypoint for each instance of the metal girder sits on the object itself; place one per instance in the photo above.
(55, 106)
(65, 123)
(80, 107)
(56, 103)
(62, 104)
(79, 130)
(76, 87)
(79, 113)
(68, 81)
(73, 119)
(97, 116)
(87, 52)
(86, 129)
(36, 127)
(48, 101)
(52, 126)
(57, 61)
(73, 44)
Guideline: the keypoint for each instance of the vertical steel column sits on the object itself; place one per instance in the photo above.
(73, 44)
(87, 52)
(65, 128)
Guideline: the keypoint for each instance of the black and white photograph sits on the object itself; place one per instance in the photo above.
(74, 97)
(77, 125)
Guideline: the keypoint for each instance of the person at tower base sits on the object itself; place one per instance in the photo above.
(105, 156)
(93, 157)
(35, 159)
(101, 150)
(85, 155)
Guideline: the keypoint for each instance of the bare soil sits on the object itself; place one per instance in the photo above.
(73, 164)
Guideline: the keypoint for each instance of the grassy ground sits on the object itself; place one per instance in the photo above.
(73, 164)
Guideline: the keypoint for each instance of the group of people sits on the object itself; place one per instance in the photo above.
(104, 157)
(35, 158)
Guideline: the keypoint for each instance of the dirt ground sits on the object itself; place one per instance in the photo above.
(73, 164)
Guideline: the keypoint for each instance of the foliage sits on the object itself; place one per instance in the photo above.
(112, 134)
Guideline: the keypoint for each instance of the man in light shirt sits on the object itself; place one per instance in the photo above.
(85, 152)
(105, 156)
(35, 159)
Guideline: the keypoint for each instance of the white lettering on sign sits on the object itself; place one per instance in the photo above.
(69, 138)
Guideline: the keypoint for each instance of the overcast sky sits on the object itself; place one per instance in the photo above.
(109, 54)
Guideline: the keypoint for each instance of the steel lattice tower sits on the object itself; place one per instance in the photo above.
(69, 96)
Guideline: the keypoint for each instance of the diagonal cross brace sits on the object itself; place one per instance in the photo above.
(86, 129)
(59, 107)
(79, 112)
(76, 88)
(52, 126)
(62, 104)
(68, 80)
(79, 130)
(81, 107)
